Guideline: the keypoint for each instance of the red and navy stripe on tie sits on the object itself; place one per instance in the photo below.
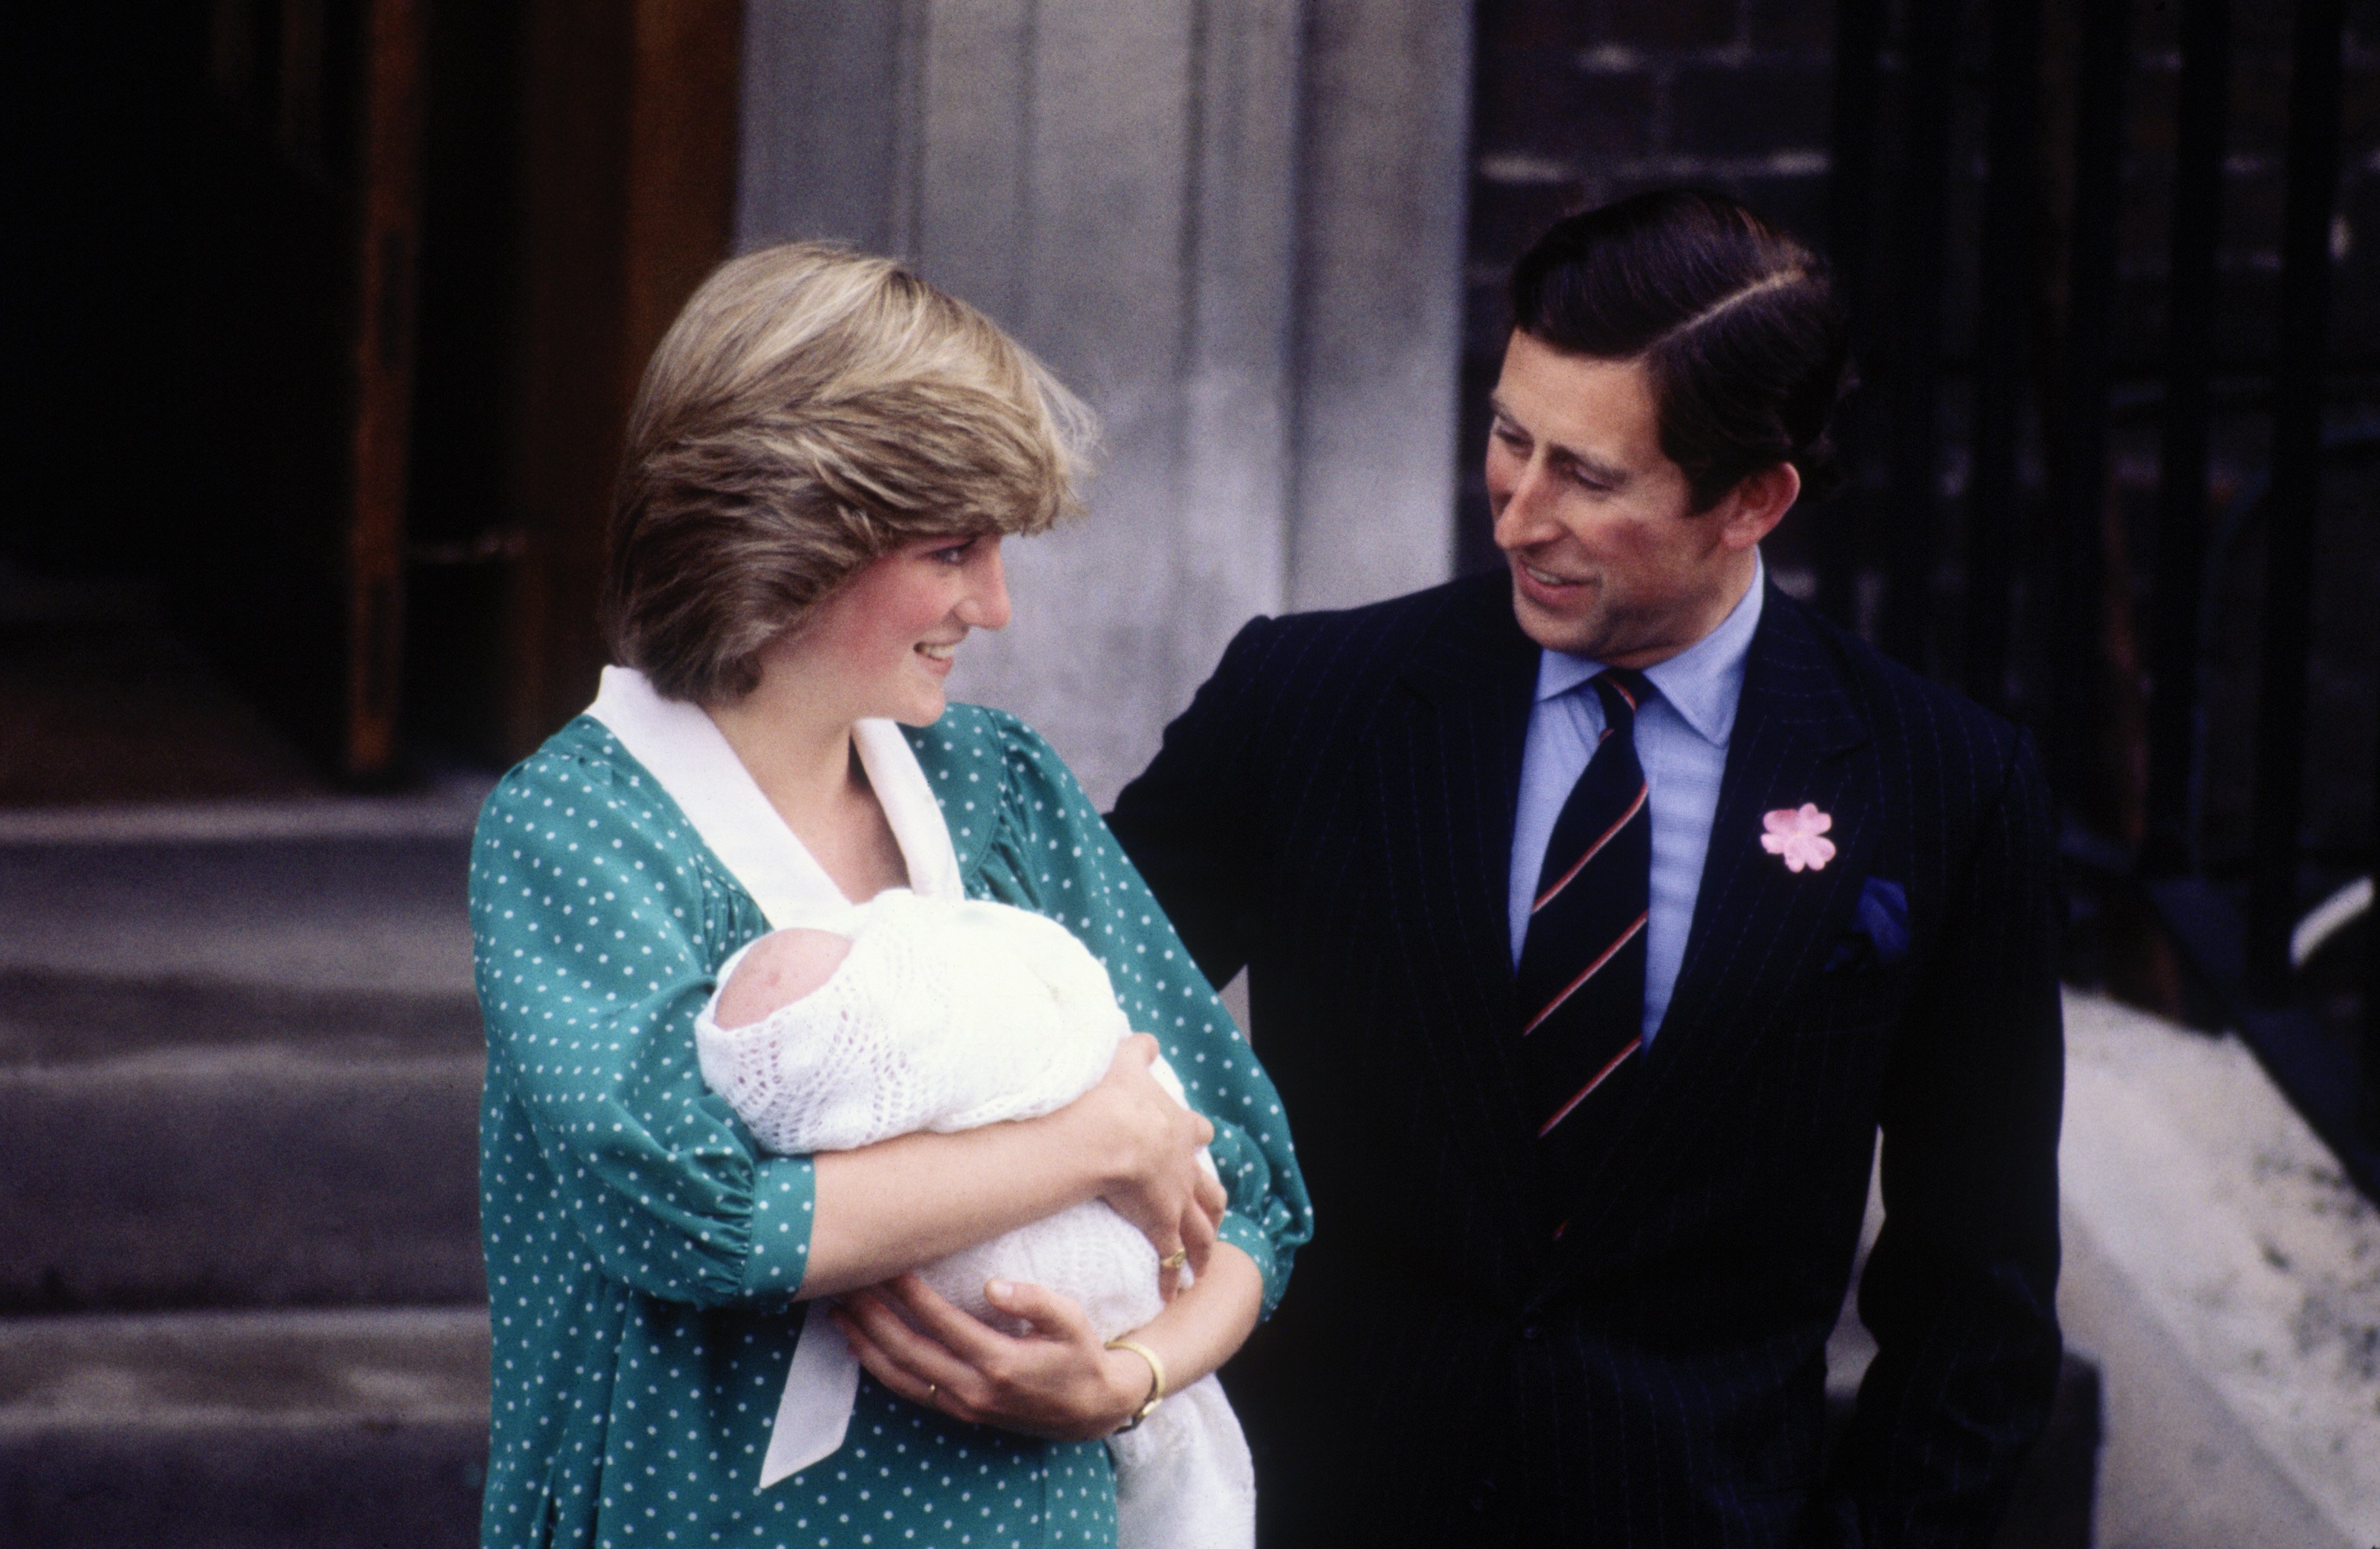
(1592, 850)
(1593, 1081)
(1601, 958)
(1581, 969)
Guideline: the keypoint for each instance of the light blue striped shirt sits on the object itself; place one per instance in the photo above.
(1680, 740)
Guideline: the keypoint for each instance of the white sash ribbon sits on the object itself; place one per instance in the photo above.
(686, 751)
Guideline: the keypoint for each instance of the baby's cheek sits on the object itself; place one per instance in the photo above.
(781, 969)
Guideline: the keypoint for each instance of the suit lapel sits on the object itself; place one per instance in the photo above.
(1758, 929)
(1450, 755)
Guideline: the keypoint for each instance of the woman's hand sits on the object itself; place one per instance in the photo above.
(1153, 1178)
(1056, 1381)
(917, 1198)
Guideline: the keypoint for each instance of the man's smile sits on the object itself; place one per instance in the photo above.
(1551, 592)
(1546, 577)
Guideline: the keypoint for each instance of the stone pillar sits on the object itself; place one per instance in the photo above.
(1233, 225)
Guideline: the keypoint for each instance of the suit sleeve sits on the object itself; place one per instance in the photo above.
(1193, 821)
(1959, 1288)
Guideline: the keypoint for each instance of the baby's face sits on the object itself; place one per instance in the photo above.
(781, 968)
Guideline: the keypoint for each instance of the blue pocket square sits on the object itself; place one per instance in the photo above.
(1879, 932)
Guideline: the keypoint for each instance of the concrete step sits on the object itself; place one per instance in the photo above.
(49, 1017)
(239, 1056)
(244, 1431)
(258, 1176)
(356, 914)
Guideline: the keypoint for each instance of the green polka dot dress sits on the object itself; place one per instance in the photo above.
(643, 1255)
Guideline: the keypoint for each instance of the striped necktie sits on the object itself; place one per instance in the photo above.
(1582, 970)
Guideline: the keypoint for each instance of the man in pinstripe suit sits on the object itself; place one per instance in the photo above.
(1597, 916)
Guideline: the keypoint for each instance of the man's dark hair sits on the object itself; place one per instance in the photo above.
(1735, 322)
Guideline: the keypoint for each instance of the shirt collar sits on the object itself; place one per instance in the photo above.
(1702, 683)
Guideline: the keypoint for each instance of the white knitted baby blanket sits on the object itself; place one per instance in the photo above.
(947, 1015)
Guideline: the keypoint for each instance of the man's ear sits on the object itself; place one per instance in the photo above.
(1754, 506)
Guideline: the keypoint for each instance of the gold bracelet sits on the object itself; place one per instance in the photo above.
(1156, 1381)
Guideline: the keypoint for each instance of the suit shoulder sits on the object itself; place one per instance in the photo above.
(1410, 612)
(1357, 642)
(1408, 609)
(1899, 703)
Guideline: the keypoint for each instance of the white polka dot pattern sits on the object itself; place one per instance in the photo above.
(643, 1254)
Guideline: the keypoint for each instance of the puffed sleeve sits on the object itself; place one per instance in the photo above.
(597, 933)
(1050, 852)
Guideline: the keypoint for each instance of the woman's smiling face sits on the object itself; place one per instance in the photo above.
(882, 642)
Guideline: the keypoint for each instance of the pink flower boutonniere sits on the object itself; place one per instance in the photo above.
(1799, 835)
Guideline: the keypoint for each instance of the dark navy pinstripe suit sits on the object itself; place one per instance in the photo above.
(1335, 812)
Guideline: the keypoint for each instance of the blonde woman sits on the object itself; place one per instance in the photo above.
(824, 457)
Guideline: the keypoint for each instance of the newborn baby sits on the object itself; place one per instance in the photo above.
(908, 1014)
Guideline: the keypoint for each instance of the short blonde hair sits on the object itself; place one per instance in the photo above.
(810, 409)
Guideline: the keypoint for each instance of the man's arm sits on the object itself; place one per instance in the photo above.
(1959, 1291)
(1189, 821)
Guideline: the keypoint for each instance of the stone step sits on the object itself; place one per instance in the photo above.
(244, 1431)
(239, 1056)
(49, 1017)
(257, 1175)
(341, 914)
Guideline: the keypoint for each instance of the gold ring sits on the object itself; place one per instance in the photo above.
(932, 1388)
(1175, 1260)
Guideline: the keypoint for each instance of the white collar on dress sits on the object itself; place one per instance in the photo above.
(683, 750)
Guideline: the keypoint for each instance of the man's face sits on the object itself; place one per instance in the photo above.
(1608, 559)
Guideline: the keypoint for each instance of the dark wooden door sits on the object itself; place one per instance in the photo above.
(338, 309)
(307, 170)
